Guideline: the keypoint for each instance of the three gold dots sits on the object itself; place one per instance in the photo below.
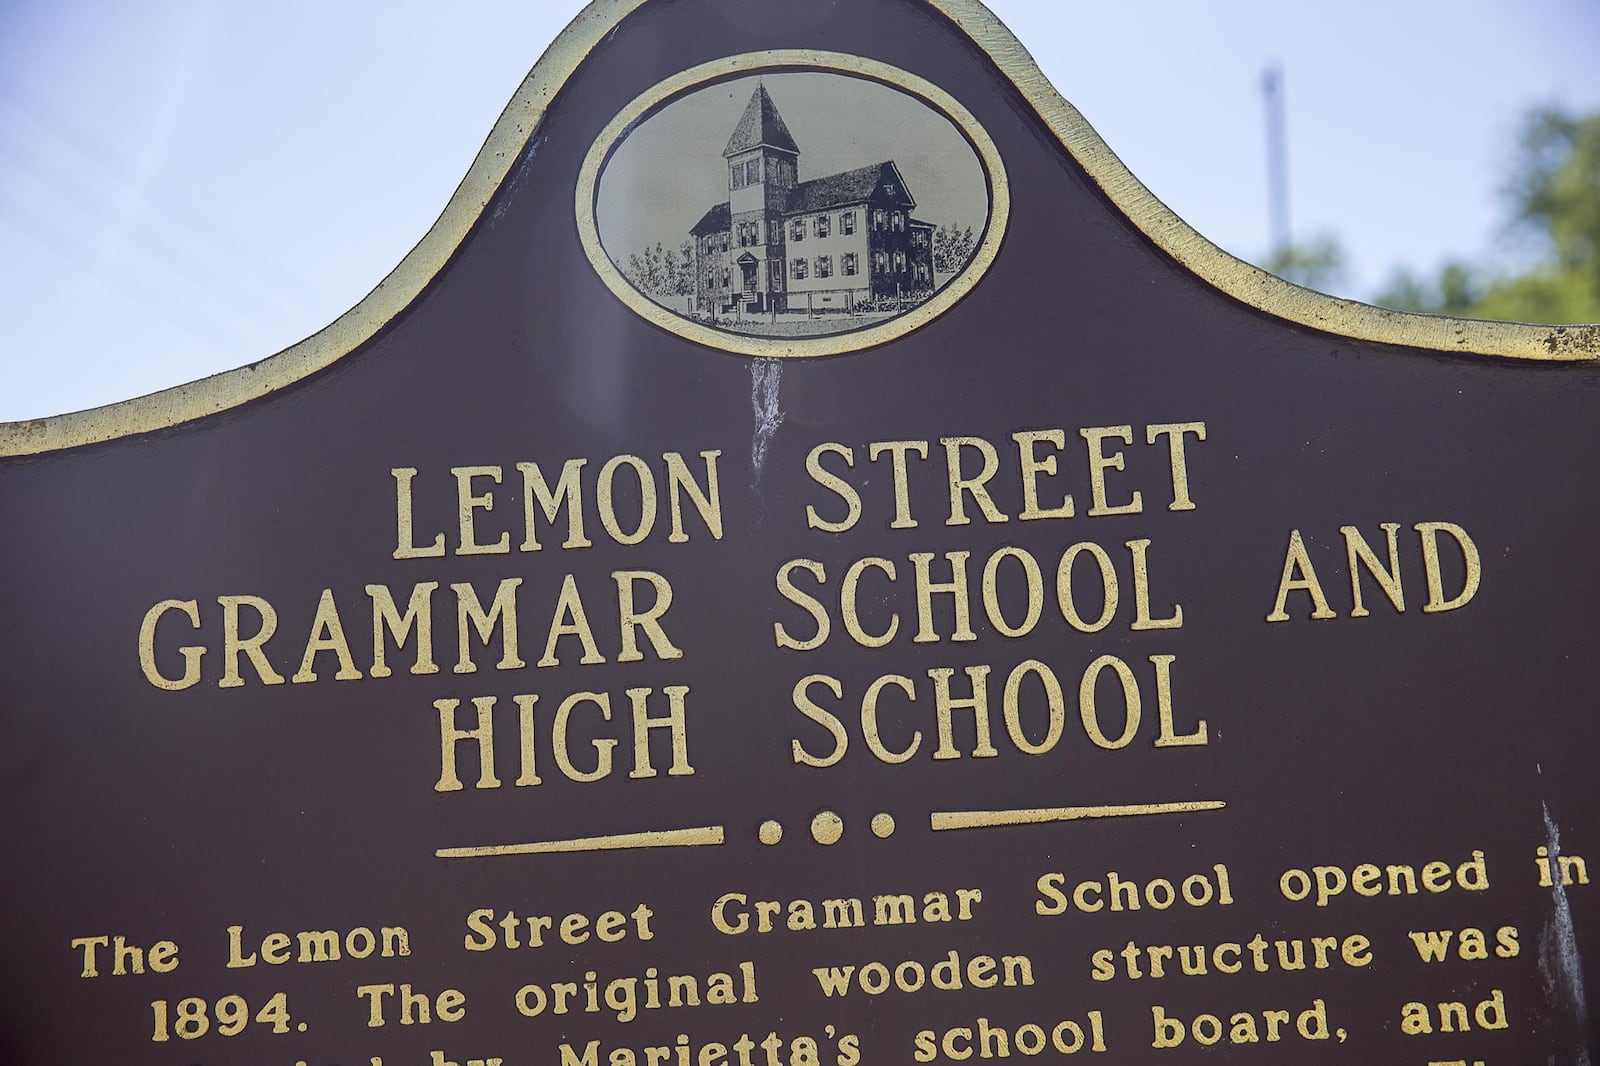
(827, 828)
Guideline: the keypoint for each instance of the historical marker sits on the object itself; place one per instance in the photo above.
(808, 562)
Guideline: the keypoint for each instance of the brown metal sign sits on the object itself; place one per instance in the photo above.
(809, 563)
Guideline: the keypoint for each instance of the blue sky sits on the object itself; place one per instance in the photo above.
(189, 186)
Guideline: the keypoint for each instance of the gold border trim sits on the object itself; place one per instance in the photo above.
(587, 195)
(1247, 284)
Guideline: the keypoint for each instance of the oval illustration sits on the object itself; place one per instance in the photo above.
(792, 204)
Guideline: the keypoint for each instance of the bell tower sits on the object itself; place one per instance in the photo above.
(762, 158)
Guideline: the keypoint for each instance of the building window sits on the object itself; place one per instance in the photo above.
(727, 278)
(711, 279)
(847, 264)
(880, 262)
(824, 266)
(879, 218)
(821, 224)
(775, 275)
(724, 240)
(797, 230)
(919, 238)
(752, 172)
(899, 221)
(899, 262)
(888, 190)
(738, 176)
(847, 222)
(797, 269)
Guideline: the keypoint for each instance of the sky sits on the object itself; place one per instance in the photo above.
(188, 186)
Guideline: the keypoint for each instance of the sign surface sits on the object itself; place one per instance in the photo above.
(809, 563)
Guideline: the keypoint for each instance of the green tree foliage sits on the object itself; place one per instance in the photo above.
(1316, 264)
(1555, 196)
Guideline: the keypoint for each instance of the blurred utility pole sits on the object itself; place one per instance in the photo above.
(1277, 159)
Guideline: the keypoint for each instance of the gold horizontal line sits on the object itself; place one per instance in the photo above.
(666, 838)
(1036, 815)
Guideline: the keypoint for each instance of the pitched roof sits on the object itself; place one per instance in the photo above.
(760, 124)
(713, 221)
(819, 194)
(846, 187)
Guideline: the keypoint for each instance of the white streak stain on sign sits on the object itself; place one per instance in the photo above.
(764, 378)
(1559, 963)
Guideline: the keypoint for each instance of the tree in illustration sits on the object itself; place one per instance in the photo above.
(656, 271)
(952, 247)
